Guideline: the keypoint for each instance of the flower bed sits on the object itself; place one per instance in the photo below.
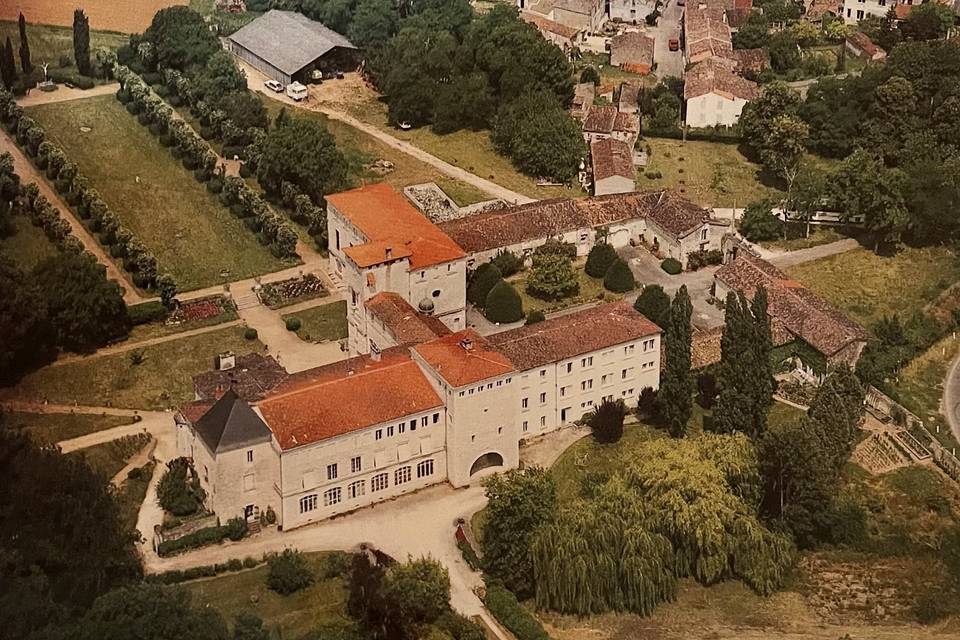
(200, 309)
(286, 292)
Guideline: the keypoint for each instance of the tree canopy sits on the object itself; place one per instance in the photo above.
(180, 38)
(303, 152)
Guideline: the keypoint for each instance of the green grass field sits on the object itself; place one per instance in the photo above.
(293, 616)
(590, 290)
(109, 458)
(49, 43)
(190, 232)
(131, 494)
(163, 380)
(56, 427)
(797, 238)
(159, 329)
(322, 323)
(28, 246)
(867, 286)
(919, 387)
(712, 174)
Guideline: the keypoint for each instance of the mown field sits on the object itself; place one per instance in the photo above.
(193, 236)
(129, 16)
(48, 428)
(48, 43)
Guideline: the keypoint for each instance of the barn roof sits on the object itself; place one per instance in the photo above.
(288, 40)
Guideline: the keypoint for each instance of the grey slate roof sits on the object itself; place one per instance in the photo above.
(230, 424)
(288, 40)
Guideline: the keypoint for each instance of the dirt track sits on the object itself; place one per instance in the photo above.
(126, 16)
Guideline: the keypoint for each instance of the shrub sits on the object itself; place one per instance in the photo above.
(482, 282)
(271, 515)
(133, 108)
(652, 175)
(236, 528)
(215, 185)
(469, 555)
(606, 421)
(507, 262)
(511, 614)
(553, 246)
(648, 405)
(619, 278)
(599, 259)
(250, 562)
(179, 490)
(245, 170)
(590, 74)
(671, 266)
(199, 538)
(334, 565)
(293, 324)
(230, 151)
(250, 333)
(288, 572)
(552, 277)
(535, 316)
(503, 304)
(654, 303)
(163, 91)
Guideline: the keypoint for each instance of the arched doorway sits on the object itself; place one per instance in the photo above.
(487, 460)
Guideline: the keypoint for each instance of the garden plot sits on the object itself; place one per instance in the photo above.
(192, 235)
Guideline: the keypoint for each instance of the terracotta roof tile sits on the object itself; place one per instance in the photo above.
(792, 306)
(385, 216)
(711, 76)
(611, 158)
(404, 323)
(573, 334)
(631, 47)
(463, 358)
(549, 26)
(861, 41)
(753, 60)
(332, 401)
(377, 252)
(627, 122)
(705, 32)
(600, 119)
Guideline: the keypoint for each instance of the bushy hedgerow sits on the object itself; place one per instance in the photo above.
(671, 266)
(503, 304)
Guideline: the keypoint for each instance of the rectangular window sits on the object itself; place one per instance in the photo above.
(543, 421)
(648, 345)
(390, 431)
(356, 489)
(413, 424)
(543, 398)
(569, 367)
(378, 482)
(543, 373)
(332, 471)
(563, 391)
(331, 497)
(355, 464)
(436, 418)
(425, 468)
(308, 503)
(526, 425)
(623, 374)
(401, 427)
(401, 475)
(586, 362)
(604, 379)
(586, 385)
(250, 455)
(628, 348)
(378, 434)
(423, 421)
(523, 403)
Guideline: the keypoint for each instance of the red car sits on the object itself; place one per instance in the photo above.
(674, 44)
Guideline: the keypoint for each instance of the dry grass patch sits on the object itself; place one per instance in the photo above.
(47, 428)
(129, 16)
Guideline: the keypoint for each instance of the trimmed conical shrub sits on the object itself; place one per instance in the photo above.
(503, 304)
(483, 280)
(600, 258)
(619, 278)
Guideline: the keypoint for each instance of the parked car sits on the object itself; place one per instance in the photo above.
(674, 44)
(274, 86)
(296, 91)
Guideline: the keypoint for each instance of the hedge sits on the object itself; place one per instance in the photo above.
(619, 278)
(503, 304)
(146, 312)
(63, 77)
(511, 614)
(204, 537)
(671, 266)
(204, 571)
(481, 282)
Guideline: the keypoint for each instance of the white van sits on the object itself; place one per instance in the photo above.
(296, 91)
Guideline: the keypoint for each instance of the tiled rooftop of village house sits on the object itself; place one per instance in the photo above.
(611, 158)
(711, 76)
(374, 253)
(404, 323)
(342, 402)
(463, 358)
(600, 119)
(251, 378)
(384, 216)
(550, 26)
(573, 334)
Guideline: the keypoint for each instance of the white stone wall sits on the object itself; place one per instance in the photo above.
(249, 476)
(446, 286)
(630, 10)
(614, 184)
(712, 110)
(853, 11)
(305, 472)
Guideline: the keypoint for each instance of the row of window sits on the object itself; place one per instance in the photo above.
(489, 385)
(402, 427)
(357, 489)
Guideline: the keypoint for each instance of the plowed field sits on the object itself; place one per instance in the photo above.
(126, 16)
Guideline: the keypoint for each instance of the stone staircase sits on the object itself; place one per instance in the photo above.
(247, 301)
(338, 284)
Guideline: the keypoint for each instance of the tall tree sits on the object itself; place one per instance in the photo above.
(838, 407)
(25, 63)
(758, 115)
(81, 42)
(864, 187)
(807, 194)
(374, 22)
(29, 338)
(676, 387)
(303, 152)
(783, 148)
(762, 344)
(8, 66)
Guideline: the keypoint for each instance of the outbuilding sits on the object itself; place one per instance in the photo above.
(288, 46)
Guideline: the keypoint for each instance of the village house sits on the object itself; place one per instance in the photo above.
(751, 62)
(706, 34)
(808, 332)
(629, 99)
(453, 408)
(612, 164)
(633, 11)
(587, 16)
(715, 95)
(607, 121)
(559, 34)
(583, 96)
(380, 242)
(817, 10)
(632, 51)
(861, 46)
(667, 223)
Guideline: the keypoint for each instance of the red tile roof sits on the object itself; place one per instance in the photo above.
(600, 119)
(611, 158)
(332, 401)
(631, 47)
(546, 25)
(711, 76)
(792, 307)
(573, 334)
(512, 225)
(463, 358)
(404, 323)
(377, 252)
(385, 216)
(863, 42)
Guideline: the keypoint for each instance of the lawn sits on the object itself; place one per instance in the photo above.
(362, 149)
(322, 323)
(131, 495)
(712, 174)
(28, 246)
(55, 427)
(867, 286)
(49, 43)
(591, 289)
(190, 232)
(610, 75)
(293, 616)
(162, 381)
(109, 458)
(797, 238)
(919, 387)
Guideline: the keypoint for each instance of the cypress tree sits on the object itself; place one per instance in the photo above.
(25, 63)
(733, 410)
(762, 381)
(676, 391)
(8, 68)
(81, 42)
(619, 277)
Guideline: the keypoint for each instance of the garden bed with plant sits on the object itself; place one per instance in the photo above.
(284, 293)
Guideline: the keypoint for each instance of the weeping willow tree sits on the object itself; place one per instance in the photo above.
(682, 508)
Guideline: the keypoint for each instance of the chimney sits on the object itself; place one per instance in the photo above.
(389, 252)
(466, 344)
(374, 352)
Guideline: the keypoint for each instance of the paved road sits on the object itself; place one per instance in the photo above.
(29, 173)
(669, 63)
(791, 258)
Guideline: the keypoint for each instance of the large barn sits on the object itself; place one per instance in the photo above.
(288, 46)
